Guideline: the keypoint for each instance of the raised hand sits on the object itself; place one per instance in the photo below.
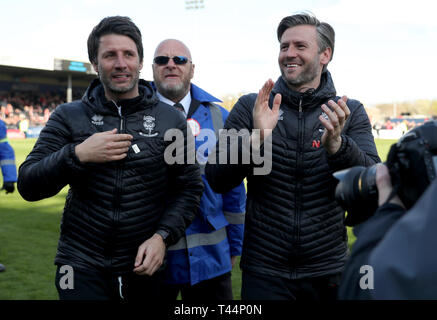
(104, 147)
(337, 115)
(264, 118)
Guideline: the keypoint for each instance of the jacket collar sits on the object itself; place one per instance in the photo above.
(96, 99)
(201, 95)
(309, 98)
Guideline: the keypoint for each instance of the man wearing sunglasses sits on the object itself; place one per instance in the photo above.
(199, 265)
(295, 244)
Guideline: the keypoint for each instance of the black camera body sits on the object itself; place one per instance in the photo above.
(412, 164)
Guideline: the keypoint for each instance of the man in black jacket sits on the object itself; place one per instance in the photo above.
(125, 203)
(295, 241)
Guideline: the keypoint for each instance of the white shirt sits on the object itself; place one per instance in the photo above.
(185, 102)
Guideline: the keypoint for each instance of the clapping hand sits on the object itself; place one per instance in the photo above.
(337, 114)
(264, 118)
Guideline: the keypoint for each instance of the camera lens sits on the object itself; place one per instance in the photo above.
(357, 193)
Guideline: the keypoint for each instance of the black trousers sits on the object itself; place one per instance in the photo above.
(265, 287)
(218, 288)
(100, 285)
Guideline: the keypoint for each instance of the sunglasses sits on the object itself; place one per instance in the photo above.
(163, 60)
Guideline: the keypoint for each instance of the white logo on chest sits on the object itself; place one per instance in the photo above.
(149, 125)
(97, 120)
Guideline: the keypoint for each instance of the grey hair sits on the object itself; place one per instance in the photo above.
(325, 33)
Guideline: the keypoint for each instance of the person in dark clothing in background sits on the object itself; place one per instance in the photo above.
(394, 254)
(7, 165)
(295, 241)
(125, 203)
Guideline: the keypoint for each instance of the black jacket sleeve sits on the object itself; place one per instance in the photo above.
(358, 145)
(186, 188)
(51, 164)
(223, 174)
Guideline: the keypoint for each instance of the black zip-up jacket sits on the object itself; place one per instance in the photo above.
(294, 227)
(112, 208)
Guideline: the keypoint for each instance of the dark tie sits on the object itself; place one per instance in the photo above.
(180, 107)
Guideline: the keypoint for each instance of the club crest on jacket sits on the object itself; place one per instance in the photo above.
(149, 125)
(97, 120)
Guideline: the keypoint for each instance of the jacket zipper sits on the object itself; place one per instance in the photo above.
(298, 197)
(121, 116)
(118, 180)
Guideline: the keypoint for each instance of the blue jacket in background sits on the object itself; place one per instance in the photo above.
(7, 156)
(216, 233)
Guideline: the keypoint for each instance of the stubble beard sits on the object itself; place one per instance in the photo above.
(116, 90)
(173, 91)
(307, 75)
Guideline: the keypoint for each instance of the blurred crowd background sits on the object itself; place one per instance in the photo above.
(26, 112)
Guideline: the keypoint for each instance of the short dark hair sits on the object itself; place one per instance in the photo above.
(114, 25)
(325, 33)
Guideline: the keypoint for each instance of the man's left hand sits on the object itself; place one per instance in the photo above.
(337, 115)
(150, 256)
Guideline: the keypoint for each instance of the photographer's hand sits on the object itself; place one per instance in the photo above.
(331, 138)
(383, 183)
